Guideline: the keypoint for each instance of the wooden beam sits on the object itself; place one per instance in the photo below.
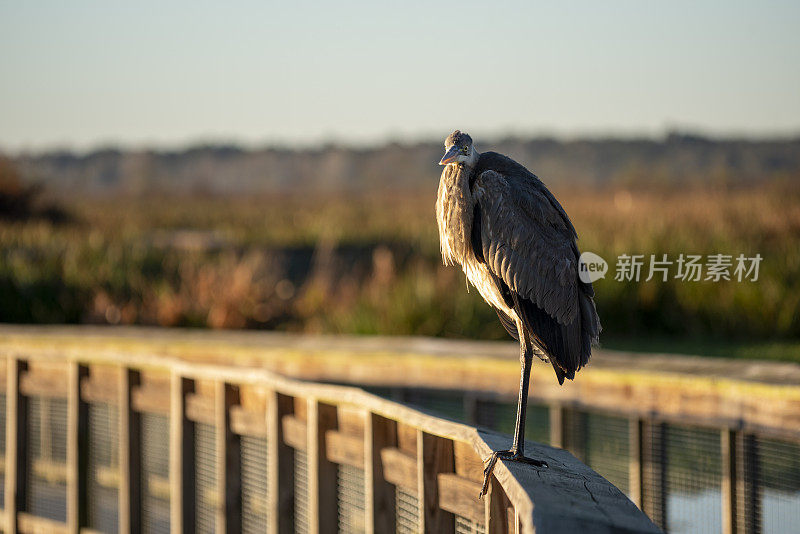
(129, 454)
(181, 460)
(654, 490)
(280, 466)
(322, 473)
(557, 421)
(635, 480)
(228, 461)
(460, 496)
(16, 444)
(152, 398)
(295, 433)
(344, 449)
(100, 391)
(434, 456)
(748, 496)
(201, 408)
(728, 489)
(77, 449)
(399, 467)
(28, 523)
(47, 383)
(380, 435)
(497, 509)
(248, 423)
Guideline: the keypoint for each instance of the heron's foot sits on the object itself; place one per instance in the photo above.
(511, 455)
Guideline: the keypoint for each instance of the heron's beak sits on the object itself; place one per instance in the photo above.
(449, 156)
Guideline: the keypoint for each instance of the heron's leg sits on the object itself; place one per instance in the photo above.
(517, 451)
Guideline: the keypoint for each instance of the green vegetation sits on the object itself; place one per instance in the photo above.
(371, 265)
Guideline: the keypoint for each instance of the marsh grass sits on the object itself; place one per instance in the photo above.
(371, 264)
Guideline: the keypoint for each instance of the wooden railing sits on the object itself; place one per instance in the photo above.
(108, 439)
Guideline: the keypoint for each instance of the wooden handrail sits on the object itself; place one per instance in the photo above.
(758, 397)
(394, 445)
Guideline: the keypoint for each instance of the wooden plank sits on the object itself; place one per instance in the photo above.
(557, 420)
(129, 454)
(434, 456)
(747, 492)
(246, 422)
(399, 468)
(152, 398)
(654, 487)
(201, 408)
(16, 444)
(762, 396)
(344, 449)
(99, 390)
(380, 434)
(31, 524)
(728, 490)
(322, 473)
(467, 462)
(181, 459)
(294, 432)
(77, 449)
(280, 467)
(498, 512)
(460, 496)
(51, 385)
(228, 458)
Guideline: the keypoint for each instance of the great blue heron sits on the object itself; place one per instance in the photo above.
(517, 246)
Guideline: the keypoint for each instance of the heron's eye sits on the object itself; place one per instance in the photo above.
(465, 149)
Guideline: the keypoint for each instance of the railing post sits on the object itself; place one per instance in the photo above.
(280, 467)
(181, 457)
(434, 455)
(496, 510)
(635, 480)
(654, 500)
(557, 425)
(16, 443)
(228, 468)
(77, 450)
(748, 496)
(379, 433)
(728, 490)
(322, 473)
(129, 454)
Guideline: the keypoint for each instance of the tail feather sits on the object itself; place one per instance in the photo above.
(568, 347)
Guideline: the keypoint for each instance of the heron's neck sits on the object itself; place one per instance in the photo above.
(472, 161)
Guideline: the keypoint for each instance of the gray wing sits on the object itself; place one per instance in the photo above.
(529, 243)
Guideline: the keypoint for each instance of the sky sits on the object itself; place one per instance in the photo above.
(85, 74)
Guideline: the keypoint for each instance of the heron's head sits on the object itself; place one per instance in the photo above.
(458, 149)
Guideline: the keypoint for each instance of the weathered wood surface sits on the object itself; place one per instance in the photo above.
(762, 397)
(447, 454)
(567, 496)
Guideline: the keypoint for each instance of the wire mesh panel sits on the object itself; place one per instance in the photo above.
(693, 479)
(602, 442)
(350, 499)
(155, 473)
(301, 519)
(467, 526)
(406, 511)
(255, 490)
(2, 448)
(779, 484)
(448, 403)
(103, 476)
(205, 478)
(46, 494)
(502, 416)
